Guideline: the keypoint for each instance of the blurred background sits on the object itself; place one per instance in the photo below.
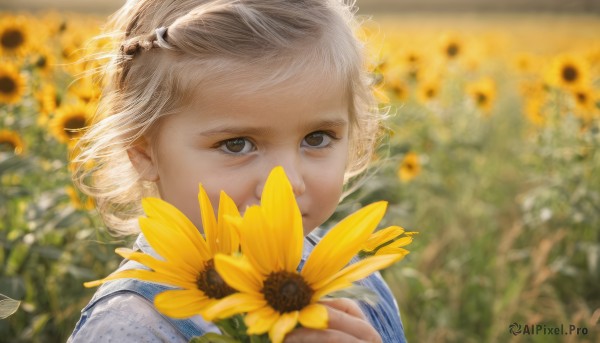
(491, 152)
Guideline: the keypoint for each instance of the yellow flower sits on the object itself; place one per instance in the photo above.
(85, 90)
(76, 201)
(534, 111)
(586, 101)
(275, 296)
(11, 141)
(568, 71)
(483, 93)
(452, 45)
(70, 121)
(14, 36)
(188, 256)
(428, 90)
(12, 84)
(48, 100)
(390, 240)
(410, 167)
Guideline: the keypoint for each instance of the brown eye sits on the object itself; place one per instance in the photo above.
(317, 140)
(237, 146)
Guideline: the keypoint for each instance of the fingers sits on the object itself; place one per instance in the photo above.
(345, 305)
(347, 323)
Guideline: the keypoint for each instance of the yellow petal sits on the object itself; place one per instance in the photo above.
(261, 320)
(286, 323)
(182, 303)
(209, 222)
(161, 267)
(233, 304)
(387, 250)
(285, 220)
(314, 316)
(238, 273)
(144, 275)
(356, 271)
(342, 242)
(171, 245)
(163, 212)
(228, 236)
(382, 236)
(257, 242)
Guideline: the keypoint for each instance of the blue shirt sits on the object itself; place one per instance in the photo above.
(123, 310)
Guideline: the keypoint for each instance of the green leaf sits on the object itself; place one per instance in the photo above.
(8, 306)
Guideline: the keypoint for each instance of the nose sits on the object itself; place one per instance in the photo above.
(294, 175)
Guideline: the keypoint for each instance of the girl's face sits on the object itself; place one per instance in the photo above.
(231, 140)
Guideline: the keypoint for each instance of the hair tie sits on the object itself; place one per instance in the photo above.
(161, 38)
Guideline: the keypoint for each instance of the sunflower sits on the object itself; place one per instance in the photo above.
(390, 240)
(451, 45)
(274, 294)
(12, 84)
(534, 111)
(586, 101)
(429, 90)
(77, 202)
(188, 256)
(70, 121)
(14, 36)
(568, 71)
(48, 100)
(410, 167)
(42, 60)
(11, 141)
(483, 93)
(85, 89)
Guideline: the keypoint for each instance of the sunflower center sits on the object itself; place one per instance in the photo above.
(452, 50)
(41, 62)
(481, 99)
(581, 97)
(7, 146)
(12, 39)
(569, 73)
(74, 124)
(211, 283)
(7, 85)
(286, 292)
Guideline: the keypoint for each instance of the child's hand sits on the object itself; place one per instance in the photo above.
(347, 323)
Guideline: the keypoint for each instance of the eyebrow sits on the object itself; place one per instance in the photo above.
(249, 130)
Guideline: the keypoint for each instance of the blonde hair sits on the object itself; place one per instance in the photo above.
(160, 41)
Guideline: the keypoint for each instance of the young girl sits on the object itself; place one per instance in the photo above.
(219, 92)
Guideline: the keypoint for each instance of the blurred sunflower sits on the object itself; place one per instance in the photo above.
(525, 63)
(12, 84)
(48, 101)
(396, 86)
(11, 141)
(483, 93)
(70, 121)
(274, 294)
(14, 36)
(451, 45)
(428, 90)
(188, 256)
(533, 109)
(42, 59)
(586, 101)
(568, 71)
(76, 201)
(85, 90)
(410, 167)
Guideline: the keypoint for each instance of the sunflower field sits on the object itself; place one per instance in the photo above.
(491, 151)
